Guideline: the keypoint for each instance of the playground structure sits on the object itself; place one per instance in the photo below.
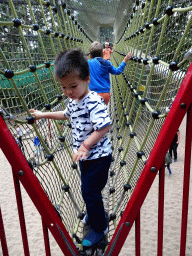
(158, 35)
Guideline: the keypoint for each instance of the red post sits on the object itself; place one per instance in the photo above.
(3, 237)
(46, 239)
(161, 210)
(21, 215)
(138, 235)
(186, 182)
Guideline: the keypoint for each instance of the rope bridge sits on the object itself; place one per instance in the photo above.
(32, 33)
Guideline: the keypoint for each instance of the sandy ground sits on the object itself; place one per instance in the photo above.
(149, 213)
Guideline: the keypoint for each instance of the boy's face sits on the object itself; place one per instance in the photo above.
(73, 86)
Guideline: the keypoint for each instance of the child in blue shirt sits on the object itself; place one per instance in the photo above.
(37, 144)
(90, 125)
(100, 70)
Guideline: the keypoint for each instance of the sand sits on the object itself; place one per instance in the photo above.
(149, 214)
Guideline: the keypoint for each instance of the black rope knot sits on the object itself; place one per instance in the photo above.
(156, 60)
(50, 157)
(30, 119)
(59, 97)
(32, 68)
(173, 66)
(16, 22)
(132, 134)
(62, 138)
(47, 64)
(47, 3)
(143, 100)
(74, 166)
(54, 8)
(66, 188)
(127, 187)
(140, 154)
(155, 21)
(147, 25)
(56, 34)
(111, 191)
(156, 114)
(145, 61)
(48, 106)
(169, 10)
(122, 163)
(9, 73)
(47, 31)
(35, 27)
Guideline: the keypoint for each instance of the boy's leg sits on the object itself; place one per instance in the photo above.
(39, 146)
(36, 151)
(168, 167)
(175, 151)
(170, 150)
(94, 175)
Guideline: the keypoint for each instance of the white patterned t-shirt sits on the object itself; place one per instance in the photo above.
(88, 115)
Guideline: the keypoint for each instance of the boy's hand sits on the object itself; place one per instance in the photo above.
(127, 57)
(81, 153)
(37, 114)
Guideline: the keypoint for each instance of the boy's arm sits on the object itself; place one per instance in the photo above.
(89, 142)
(117, 71)
(48, 115)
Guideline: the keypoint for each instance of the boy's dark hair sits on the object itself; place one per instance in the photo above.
(96, 49)
(70, 61)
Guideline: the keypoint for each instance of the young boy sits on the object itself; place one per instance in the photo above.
(37, 144)
(168, 161)
(90, 125)
(174, 145)
(100, 70)
(107, 51)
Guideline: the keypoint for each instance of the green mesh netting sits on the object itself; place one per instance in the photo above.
(32, 33)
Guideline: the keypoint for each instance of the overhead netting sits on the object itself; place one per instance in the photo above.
(32, 33)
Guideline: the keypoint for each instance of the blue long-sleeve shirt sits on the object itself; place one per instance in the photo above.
(99, 74)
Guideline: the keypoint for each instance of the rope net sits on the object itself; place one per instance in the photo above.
(32, 33)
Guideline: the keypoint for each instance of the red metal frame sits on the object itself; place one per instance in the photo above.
(46, 239)
(21, 215)
(138, 235)
(23, 173)
(186, 181)
(161, 210)
(3, 237)
(50, 220)
(155, 160)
